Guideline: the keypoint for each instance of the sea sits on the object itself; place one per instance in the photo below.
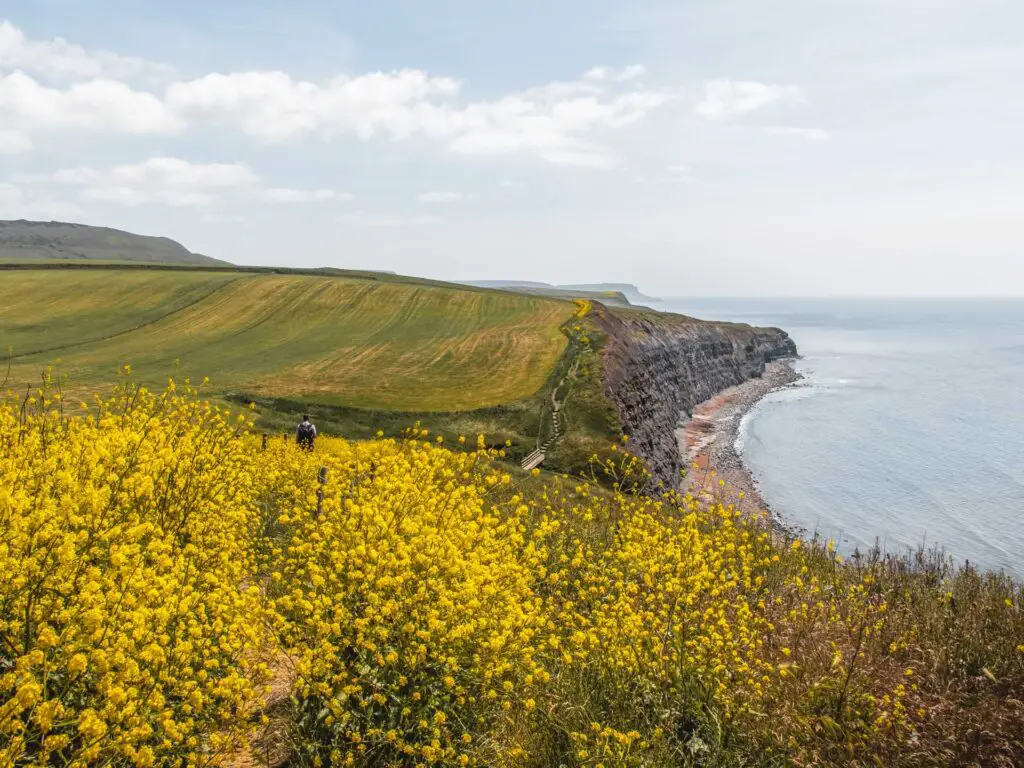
(906, 430)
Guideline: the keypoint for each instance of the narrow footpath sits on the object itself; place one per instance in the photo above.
(536, 458)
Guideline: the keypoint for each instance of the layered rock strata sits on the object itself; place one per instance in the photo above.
(658, 366)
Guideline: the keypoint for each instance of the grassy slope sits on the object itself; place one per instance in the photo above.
(54, 240)
(591, 422)
(43, 310)
(61, 262)
(345, 342)
(609, 298)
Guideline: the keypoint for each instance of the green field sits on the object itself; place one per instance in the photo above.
(392, 345)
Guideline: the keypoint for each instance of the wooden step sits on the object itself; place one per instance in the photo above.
(533, 461)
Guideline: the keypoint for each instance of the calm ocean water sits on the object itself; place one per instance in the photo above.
(908, 427)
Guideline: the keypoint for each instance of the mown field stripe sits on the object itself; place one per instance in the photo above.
(126, 331)
(331, 340)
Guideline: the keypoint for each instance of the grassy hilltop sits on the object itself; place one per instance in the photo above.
(361, 351)
(59, 241)
(329, 340)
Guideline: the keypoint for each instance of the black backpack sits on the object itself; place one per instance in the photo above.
(306, 432)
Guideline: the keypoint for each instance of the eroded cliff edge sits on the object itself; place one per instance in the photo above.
(657, 366)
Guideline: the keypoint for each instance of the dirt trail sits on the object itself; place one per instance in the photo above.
(536, 458)
(266, 746)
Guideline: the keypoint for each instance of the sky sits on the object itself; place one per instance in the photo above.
(691, 147)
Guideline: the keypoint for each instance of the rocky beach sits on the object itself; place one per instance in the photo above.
(707, 440)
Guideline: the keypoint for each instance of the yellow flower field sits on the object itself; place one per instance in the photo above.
(161, 565)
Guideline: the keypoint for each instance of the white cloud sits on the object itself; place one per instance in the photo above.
(273, 107)
(26, 105)
(172, 171)
(811, 134)
(13, 142)
(167, 180)
(58, 58)
(602, 74)
(551, 125)
(286, 195)
(509, 184)
(559, 90)
(90, 97)
(729, 99)
(560, 122)
(177, 182)
(547, 120)
(439, 197)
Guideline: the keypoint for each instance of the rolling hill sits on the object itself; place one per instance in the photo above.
(364, 343)
(61, 241)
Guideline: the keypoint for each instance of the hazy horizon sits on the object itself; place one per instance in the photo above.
(852, 148)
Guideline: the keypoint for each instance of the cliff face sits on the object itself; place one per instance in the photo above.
(658, 366)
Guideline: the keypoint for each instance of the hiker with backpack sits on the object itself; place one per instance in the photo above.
(305, 436)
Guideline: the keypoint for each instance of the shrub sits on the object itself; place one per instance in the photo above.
(125, 631)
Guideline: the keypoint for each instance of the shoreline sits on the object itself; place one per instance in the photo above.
(707, 441)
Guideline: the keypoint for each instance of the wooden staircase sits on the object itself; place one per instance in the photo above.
(536, 458)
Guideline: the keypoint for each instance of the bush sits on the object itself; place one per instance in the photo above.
(125, 633)
(407, 606)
